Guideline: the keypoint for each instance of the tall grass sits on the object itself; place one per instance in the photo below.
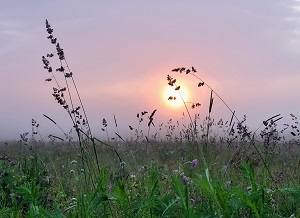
(204, 169)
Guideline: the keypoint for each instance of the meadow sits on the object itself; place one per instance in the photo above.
(209, 168)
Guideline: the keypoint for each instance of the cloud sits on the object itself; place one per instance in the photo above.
(14, 35)
(296, 6)
(293, 43)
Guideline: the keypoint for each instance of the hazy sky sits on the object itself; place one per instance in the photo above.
(121, 52)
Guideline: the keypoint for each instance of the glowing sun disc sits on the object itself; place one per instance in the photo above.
(175, 96)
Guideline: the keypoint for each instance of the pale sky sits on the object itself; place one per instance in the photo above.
(121, 52)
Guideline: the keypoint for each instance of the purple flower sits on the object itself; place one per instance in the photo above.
(186, 180)
(194, 163)
(228, 183)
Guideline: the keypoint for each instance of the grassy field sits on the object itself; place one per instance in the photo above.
(152, 179)
(204, 169)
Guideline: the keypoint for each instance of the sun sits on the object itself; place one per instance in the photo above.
(174, 98)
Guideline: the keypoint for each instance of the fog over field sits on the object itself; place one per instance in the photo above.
(121, 52)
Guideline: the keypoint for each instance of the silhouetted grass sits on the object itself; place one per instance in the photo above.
(207, 168)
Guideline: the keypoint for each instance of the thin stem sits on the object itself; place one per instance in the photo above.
(79, 98)
(245, 130)
(187, 110)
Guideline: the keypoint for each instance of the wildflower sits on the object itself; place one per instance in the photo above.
(47, 179)
(228, 183)
(144, 168)
(186, 180)
(176, 171)
(72, 171)
(73, 162)
(122, 164)
(164, 177)
(194, 163)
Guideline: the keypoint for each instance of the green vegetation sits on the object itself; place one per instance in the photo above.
(165, 181)
(191, 171)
